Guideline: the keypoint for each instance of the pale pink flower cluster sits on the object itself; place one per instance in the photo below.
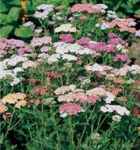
(127, 24)
(89, 8)
(108, 70)
(40, 41)
(24, 50)
(12, 44)
(107, 96)
(80, 97)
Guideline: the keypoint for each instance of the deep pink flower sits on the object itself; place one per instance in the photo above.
(110, 48)
(98, 47)
(84, 41)
(66, 38)
(115, 39)
(121, 57)
(70, 108)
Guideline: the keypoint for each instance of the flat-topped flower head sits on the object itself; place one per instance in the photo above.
(69, 109)
(66, 38)
(120, 110)
(65, 28)
(64, 89)
(89, 8)
(43, 11)
(121, 57)
(40, 41)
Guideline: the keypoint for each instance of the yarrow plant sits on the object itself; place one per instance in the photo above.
(72, 84)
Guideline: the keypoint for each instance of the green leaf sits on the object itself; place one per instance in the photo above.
(13, 14)
(6, 30)
(137, 12)
(24, 32)
(14, 2)
(3, 18)
(3, 7)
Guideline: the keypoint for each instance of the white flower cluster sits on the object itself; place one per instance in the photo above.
(15, 64)
(137, 33)
(102, 26)
(111, 15)
(9, 69)
(102, 69)
(108, 70)
(56, 57)
(120, 110)
(43, 11)
(67, 51)
(65, 28)
(116, 118)
(133, 69)
(64, 89)
(63, 48)
(103, 7)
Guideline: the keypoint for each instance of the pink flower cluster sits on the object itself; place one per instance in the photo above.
(66, 38)
(40, 41)
(84, 41)
(8, 44)
(89, 8)
(72, 99)
(127, 24)
(108, 47)
(24, 50)
(70, 109)
(121, 57)
(80, 97)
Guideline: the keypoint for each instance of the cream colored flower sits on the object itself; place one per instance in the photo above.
(116, 118)
(65, 28)
(21, 103)
(29, 64)
(64, 89)
(13, 98)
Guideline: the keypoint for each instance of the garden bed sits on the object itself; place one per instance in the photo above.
(69, 76)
